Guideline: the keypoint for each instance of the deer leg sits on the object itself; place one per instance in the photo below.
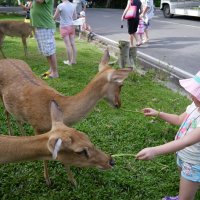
(8, 122)
(25, 45)
(46, 173)
(21, 129)
(1, 44)
(70, 176)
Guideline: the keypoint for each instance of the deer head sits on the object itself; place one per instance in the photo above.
(115, 79)
(72, 147)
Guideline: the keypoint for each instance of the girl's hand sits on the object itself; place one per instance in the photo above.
(146, 154)
(150, 112)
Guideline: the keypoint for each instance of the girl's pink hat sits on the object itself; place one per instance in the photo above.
(192, 85)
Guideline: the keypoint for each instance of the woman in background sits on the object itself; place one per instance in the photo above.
(133, 22)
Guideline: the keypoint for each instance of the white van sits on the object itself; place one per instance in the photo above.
(180, 7)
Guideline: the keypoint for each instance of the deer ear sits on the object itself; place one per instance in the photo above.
(104, 61)
(56, 113)
(55, 144)
(119, 75)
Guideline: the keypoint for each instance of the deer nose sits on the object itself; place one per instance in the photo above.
(117, 106)
(112, 162)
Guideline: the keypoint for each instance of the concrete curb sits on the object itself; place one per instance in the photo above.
(147, 60)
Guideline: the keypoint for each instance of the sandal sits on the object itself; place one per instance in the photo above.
(139, 44)
(48, 77)
(46, 74)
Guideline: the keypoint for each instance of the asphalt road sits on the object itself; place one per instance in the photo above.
(175, 41)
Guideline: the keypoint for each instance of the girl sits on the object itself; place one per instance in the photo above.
(186, 143)
(140, 31)
(67, 12)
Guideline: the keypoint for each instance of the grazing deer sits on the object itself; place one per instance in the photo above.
(61, 143)
(27, 97)
(16, 29)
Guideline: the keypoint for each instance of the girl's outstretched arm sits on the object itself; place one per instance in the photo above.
(170, 147)
(170, 118)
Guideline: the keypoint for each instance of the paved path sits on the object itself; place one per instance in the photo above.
(175, 42)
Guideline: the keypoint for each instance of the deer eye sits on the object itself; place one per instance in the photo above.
(84, 152)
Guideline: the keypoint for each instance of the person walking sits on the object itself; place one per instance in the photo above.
(42, 20)
(146, 15)
(67, 12)
(133, 22)
(80, 6)
(186, 143)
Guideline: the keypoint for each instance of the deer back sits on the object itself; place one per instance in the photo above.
(15, 28)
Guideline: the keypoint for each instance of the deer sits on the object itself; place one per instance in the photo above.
(27, 97)
(61, 143)
(15, 29)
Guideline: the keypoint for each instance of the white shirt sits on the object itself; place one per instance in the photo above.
(150, 11)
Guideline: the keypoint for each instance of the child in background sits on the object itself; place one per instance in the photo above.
(27, 8)
(67, 12)
(140, 31)
(84, 26)
(186, 143)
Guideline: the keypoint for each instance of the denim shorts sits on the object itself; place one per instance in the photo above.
(189, 171)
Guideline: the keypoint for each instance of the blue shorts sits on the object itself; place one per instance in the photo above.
(189, 171)
(46, 41)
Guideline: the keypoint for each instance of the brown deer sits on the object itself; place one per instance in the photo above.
(15, 29)
(61, 143)
(27, 97)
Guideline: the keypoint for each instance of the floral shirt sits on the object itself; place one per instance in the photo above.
(190, 154)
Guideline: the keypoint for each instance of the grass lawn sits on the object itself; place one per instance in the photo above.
(114, 131)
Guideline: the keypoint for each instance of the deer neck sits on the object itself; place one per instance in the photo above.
(77, 106)
(14, 149)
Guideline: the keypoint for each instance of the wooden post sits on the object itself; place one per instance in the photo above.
(132, 56)
(124, 60)
(127, 54)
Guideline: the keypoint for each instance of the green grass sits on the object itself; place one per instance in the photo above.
(114, 131)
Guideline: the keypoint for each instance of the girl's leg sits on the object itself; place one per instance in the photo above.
(135, 35)
(146, 34)
(73, 46)
(187, 189)
(68, 47)
(131, 37)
